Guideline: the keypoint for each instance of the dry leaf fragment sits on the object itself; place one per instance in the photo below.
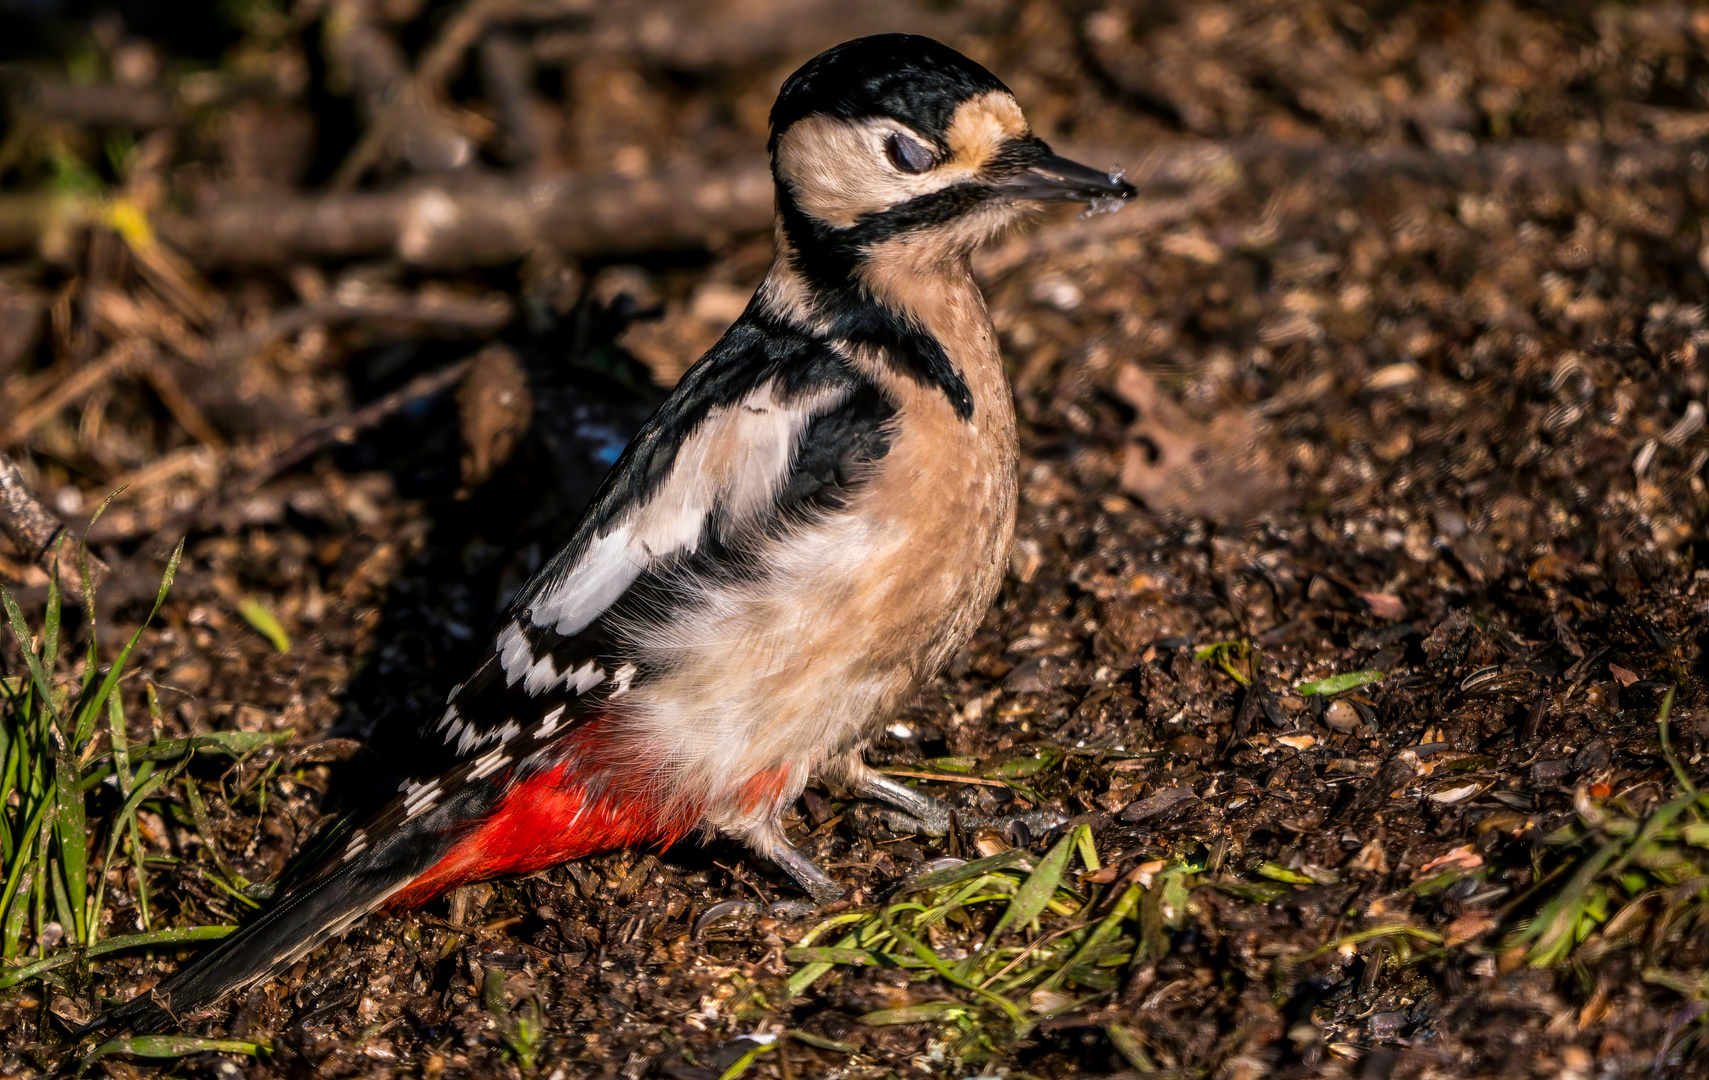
(1223, 470)
(1626, 676)
(495, 407)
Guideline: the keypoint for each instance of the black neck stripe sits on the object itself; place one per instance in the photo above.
(829, 259)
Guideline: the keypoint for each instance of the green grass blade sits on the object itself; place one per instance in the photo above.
(86, 717)
(1106, 929)
(21, 880)
(121, 743)
(262, 620)
(1029, 899)
(170, 1046)
(234, 744)
(50, 624)
(800, 981)
(913, 1014)
(955, 875)
(72, 827)
(1338, 684)
(183, 935)
(21, 632)
(1679, 774)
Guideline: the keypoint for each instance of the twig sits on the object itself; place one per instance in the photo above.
(345, 428)
(95, 104)
(178, 403)
(401, 113)
(483, 314)
(35, 531)
(80, 382)
(943, 778)
(473, 220)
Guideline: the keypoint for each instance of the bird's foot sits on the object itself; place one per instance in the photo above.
(818, 884)
(911, 812)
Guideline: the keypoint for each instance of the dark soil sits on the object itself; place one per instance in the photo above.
(1397, 367)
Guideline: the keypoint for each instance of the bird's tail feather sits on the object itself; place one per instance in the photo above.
(263, 948)
(380, 860)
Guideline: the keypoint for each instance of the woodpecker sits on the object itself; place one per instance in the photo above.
(811, 524)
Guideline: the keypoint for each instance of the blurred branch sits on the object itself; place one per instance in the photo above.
(97, 104)
(484, 219)
(345, 428)
(401, 111)
(73, 386)
(476, 314)
(480, 220)
(34, 530)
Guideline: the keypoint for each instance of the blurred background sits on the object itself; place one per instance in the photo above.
(1394, 367)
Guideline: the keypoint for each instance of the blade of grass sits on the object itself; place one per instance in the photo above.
(205, 829)
(91, 705)
(1101, 933)
(1029, 899)
(21, 632)
(121, 743)
(50, 620)
(1337, 684)
(170, 1046)
(21, 881)
(71, 825)
(1679, 774)
(265, 623)
(184, 935)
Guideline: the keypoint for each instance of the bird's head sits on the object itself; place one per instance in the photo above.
(899, 139)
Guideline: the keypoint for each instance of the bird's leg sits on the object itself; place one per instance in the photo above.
(916, 812)
(806, 873)
(768, 840)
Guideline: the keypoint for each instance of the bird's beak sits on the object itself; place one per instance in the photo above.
(1056, 178)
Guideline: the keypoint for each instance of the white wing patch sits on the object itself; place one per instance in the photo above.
(550, 723)
(733, 462)
(623, 677)
(357, 845)
(490, 762)
(539, 675)
(421, 797)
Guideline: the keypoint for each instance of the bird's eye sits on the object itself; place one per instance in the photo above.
(907, 154)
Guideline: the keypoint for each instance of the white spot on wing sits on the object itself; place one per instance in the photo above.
(421, 798)
(585, 678)
(550, 723)
(622, 678)
(514, 655)
(540, 676)
(358, 844)
(489, 762)
(605, 571)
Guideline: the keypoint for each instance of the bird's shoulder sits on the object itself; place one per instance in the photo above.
(771, 428)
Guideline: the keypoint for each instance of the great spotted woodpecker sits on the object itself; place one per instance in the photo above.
(811, 524)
